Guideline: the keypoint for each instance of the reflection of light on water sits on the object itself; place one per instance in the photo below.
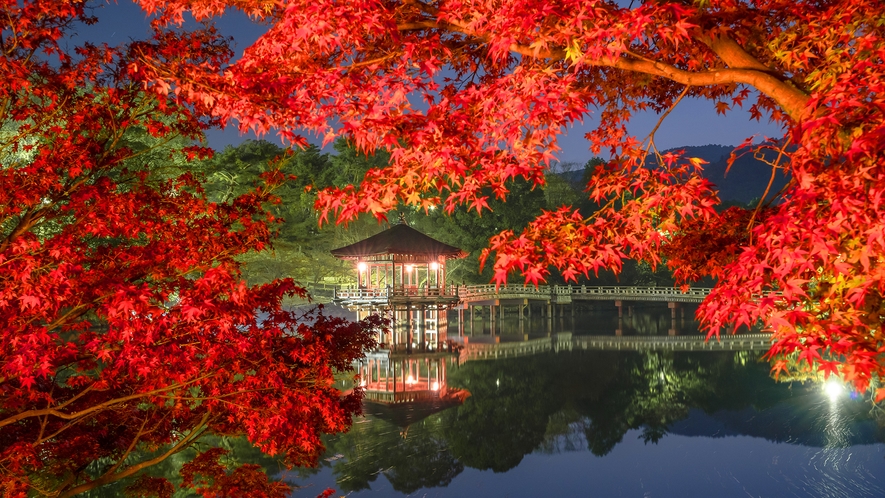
(836, 469)
(837, 431)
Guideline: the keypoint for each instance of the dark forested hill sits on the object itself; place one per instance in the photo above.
(747, 178)
(744, 182)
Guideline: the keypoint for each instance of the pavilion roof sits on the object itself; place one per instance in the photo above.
(399, 239)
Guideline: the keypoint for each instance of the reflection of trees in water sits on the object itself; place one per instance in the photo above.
(506, 416)
(569, 401)
(659, 390)
(411, 458)
(560, 402)
(565, 433)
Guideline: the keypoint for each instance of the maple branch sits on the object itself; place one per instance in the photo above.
(775, 165)
(132, 445)
(107, 478)
(791, 99)
(744, 68)
(95, 408)
(73, 313)
(651, 136)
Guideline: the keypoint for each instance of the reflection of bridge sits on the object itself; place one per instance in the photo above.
(567, 342)
(394, 378)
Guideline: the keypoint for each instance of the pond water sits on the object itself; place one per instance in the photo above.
(610, 423)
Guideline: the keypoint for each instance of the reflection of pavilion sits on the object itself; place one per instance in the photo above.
(402, 273)
(403, 378)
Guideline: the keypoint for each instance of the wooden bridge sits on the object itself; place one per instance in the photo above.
(564, 294)
(466, 295)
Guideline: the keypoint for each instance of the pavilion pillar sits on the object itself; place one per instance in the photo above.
(492, 311)
(409, 329)
(620, 305)
(376, 373)
(422, 325)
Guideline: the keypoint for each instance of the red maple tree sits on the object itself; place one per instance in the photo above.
(126, 332)
(467, 95)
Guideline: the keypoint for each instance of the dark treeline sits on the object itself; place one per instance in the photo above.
(302, 250)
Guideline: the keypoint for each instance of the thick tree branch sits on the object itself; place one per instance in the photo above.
(55, 412)
(743, 67)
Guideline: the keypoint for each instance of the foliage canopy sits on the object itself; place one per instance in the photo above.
(126, 330)
(468, 95)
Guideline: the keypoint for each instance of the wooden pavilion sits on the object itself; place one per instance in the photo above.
(401, 272)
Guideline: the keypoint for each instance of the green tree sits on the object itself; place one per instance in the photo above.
(470, 231)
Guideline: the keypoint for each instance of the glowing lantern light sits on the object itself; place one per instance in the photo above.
(834, 388)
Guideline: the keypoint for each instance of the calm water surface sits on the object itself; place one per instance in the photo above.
(610, 423)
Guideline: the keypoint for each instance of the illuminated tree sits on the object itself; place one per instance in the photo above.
(466, 96)
(126, 331)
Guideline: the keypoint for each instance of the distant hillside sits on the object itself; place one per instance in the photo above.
(745, 181)
(747, 178)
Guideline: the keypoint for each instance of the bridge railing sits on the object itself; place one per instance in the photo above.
(489, 291)
(607, 292)
(469, 293)
(386, 293)
(479, 292)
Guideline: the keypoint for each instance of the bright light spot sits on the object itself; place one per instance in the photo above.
(497, 382)
(434, 386)
(409, 267)
(410, 380)
(434, 266)
(361, 266)
(834, 388)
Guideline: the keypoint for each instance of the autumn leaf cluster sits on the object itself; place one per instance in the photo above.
(467, 96)
(126, 330)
